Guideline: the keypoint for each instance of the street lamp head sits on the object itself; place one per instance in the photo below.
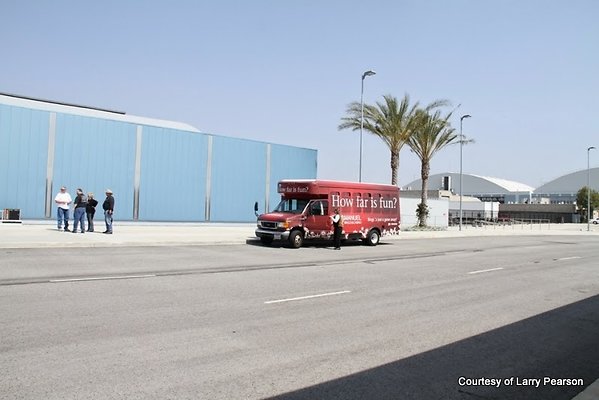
(368, 73)
(465, 116)
(591, 148)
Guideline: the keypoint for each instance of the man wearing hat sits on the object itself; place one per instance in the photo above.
(108, 207)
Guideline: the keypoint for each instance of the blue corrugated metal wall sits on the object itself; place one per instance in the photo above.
(173, 175)
(23, 158)
(238, 178)
(180, 175)
(96, 154)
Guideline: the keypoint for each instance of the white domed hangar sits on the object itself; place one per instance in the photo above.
(563, 190)
(482, 187)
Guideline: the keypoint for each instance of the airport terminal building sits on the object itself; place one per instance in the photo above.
(158, 170)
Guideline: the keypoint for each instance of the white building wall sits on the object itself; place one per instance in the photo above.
(475, 209)
(437, 217)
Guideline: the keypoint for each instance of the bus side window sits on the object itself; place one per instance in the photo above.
(316, 208)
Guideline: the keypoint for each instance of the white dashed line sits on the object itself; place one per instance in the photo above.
(567, 258)
(307, 297)
(484, 270)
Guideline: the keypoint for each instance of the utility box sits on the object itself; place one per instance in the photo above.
(11, 215)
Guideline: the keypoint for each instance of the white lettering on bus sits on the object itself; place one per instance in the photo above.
(341, 201)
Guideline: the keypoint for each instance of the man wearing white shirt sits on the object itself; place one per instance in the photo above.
(63, 200)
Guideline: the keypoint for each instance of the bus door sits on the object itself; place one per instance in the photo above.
(318, 218)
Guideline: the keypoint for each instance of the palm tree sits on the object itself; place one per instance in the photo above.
(431, 133)
(390, 120)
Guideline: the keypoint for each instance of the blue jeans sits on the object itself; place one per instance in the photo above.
(62, 215)
(108, 220)
(79, 218)
(90, 222)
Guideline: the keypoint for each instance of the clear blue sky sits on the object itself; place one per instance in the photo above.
(284, 72)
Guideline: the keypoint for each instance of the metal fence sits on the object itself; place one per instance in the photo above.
(509, 223)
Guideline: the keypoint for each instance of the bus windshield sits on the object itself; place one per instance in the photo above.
(294, 206)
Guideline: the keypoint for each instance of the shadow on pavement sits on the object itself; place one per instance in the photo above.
(560, 344)
(312, 243)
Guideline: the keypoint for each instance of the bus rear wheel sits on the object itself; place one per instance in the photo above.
(373, 238)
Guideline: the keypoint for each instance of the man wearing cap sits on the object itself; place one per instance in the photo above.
(63, 200)
(108, 207)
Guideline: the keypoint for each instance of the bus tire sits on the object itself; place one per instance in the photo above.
(296, 239)
(373, 238)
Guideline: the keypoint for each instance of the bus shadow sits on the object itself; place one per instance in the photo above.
(315, 244)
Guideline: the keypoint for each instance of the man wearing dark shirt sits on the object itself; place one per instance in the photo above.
(108, 207)
(80, 205)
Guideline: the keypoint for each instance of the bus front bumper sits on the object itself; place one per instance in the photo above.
(275, 235)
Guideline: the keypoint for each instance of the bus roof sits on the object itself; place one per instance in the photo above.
(317, 183)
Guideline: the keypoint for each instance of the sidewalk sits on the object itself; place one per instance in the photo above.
(41, 234)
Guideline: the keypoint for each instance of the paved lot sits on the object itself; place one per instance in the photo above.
(168, 315)
(35, 234)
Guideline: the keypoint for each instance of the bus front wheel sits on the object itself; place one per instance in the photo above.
(296, 239)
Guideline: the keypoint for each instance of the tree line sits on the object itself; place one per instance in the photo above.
(582, 198)
(424, 129)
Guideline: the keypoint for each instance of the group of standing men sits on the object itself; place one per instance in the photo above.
(85, 205)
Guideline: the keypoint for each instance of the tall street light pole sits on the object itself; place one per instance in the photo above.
(461, 146)
(364, 75)
(589, 187)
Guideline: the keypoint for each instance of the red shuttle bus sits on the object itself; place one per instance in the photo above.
(369, 211)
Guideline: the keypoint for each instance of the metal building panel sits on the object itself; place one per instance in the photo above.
(173, 175)
(23, 156)
(95, 154)
(208, 191)
(238, 178)
(50, 165)
(137, 175)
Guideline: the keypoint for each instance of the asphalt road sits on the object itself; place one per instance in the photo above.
(427, 319)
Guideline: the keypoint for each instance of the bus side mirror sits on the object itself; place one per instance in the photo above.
(256, 208)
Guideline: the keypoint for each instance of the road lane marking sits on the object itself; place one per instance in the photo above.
(101, 278)
(307, 297)
(567, 258)
(485, 270)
